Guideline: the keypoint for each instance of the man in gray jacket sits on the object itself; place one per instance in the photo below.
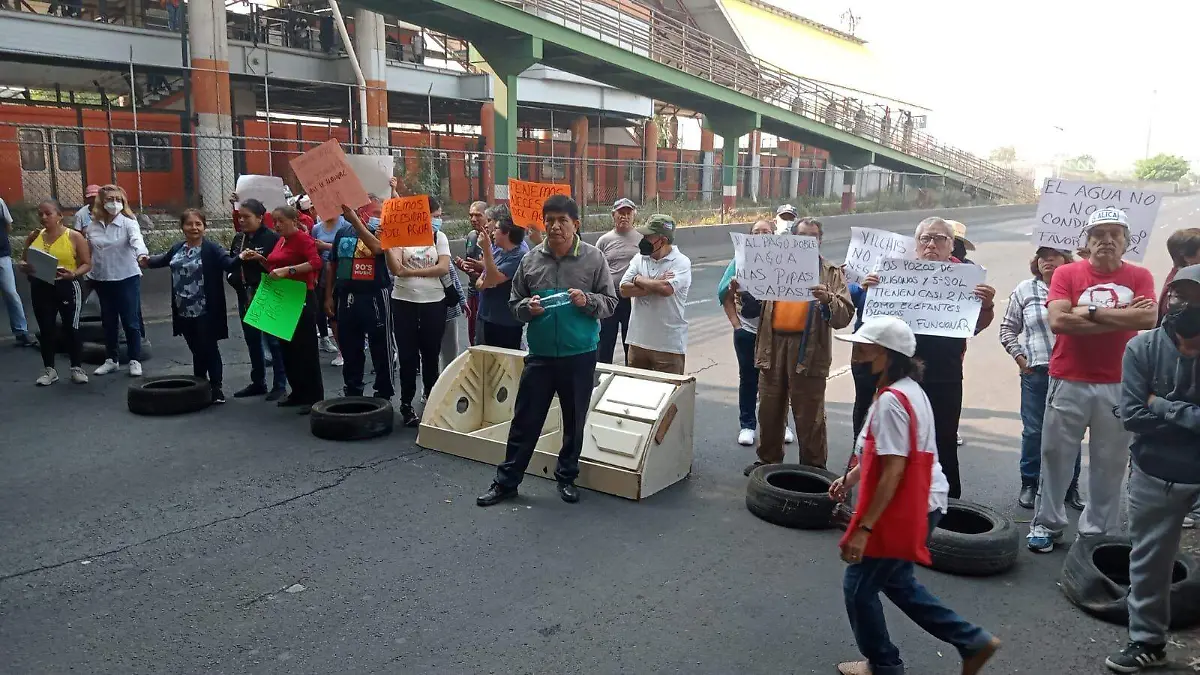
(1160, 406)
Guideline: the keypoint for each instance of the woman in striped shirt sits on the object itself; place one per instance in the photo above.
(1025, 334)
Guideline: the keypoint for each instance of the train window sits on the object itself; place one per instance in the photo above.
(66, 146)
(662, 172)
(33, 149)
(398, 168)
(155, 151)
(554, 168)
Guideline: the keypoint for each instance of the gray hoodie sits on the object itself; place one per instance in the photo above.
(1166, 431)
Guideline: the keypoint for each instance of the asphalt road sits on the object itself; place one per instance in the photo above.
(180, 545)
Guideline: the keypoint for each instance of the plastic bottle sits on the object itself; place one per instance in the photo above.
(556, 300)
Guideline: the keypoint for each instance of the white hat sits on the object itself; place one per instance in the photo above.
(623, 203)
(304, 203)
(1107, 217)
(885, 331)
(786, 208)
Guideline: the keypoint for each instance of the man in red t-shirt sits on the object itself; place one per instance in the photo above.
(1095, 306)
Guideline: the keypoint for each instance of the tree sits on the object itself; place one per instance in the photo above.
(1081, 163)
(1161, 167)
(1005, 155)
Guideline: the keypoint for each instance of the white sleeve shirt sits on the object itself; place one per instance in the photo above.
(658, 322)
(115, 248)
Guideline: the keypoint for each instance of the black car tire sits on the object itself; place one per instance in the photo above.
(95, 353)
(974, 540)
(169, 395)
(1095, 578)
(352, 418)
(791, 495)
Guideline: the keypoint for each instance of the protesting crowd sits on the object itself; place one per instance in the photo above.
(1100, 353)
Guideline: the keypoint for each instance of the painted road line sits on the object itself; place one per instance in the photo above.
(689, 303)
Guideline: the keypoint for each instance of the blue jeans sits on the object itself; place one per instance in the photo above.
(894, 578)
(1034, 387)
(743, 346)
(121, 300)
(12, 300)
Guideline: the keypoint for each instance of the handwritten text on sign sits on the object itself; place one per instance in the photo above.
(329, 180)
(777, 267)
(405, 222)
(869, 246)
(276, 307)
(933, 298)
(1066, 204)
(525, 201)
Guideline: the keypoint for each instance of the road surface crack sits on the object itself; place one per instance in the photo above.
(711, 363)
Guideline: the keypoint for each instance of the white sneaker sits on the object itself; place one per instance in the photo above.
(746, 437)
(788, 436)
(339, 361)
(327, 345)
(49, 377)
(78, 376)
(1189, 521)
(958, 439)
(135, 369)
(109, 366)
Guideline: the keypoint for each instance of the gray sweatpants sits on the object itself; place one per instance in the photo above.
(1156, 512)
(1071, 409)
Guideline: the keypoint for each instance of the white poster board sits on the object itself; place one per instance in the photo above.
(1065, 206)
(868, 246)
(266, 189)
(777, 266)
(933, 298)
(45, 265)
(374, 172)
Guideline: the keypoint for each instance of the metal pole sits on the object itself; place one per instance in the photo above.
(267, 100)
(137, 152)
(1150, 122)
(358, 74)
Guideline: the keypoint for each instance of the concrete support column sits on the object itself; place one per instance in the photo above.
(579, 153)
(650, 154)
(849, 178)
(506, 59)
(755, 152)
(708, 162)
(729, 160)
(369, 34)
(212, 101)
(487, 128)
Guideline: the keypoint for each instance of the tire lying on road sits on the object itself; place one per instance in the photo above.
(974, 540)
(95, 353)
(1095, 578)
(169, 395)
(352, 418)
(791, 495)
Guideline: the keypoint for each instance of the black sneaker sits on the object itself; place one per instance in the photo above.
(25, 340)
(409, 416)
(218, 396)
(1136, 656)
(251, 390)
(568, 492)
(495, 494)
(276, 394)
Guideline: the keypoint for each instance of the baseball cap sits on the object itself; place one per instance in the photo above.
(786, 209)
(885, 331)
(304, 203)
(624, 203)
(960, 232)
(1107, 217)
(659, 224)
(1189, 274)
(91, 191)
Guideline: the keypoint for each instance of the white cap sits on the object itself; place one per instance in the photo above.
(786, 208)
(1108, 216)
(885, 331)
(304, 203)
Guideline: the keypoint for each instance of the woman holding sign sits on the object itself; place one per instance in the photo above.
(61, 297)
(295, 257)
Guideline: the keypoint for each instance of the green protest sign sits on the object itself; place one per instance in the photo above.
(276, 306)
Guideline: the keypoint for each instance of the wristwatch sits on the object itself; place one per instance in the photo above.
(1092, 312)
(292, 271)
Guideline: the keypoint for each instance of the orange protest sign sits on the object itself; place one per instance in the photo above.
(406, 222)
(525, 200)
(329, 179)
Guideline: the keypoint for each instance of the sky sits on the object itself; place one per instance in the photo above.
(1007, 73)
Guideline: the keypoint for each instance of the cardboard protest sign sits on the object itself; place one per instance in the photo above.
(869, 246)
(1065, 206)
(933, 298)
(276, 306)
(374, 172)
(525, 201)
(266, 189)
(329, 180)
(777, 267)
(406, 222)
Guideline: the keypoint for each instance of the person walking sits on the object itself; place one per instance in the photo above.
(356, 295)
(618, 245)
(562, 347)
(295, 257)
(198, 268)
(255, 236)
(658, 280)
(1095, 308)
(793, 351)
(8, 284)
(903, 494)
(1026, 336)
(62, 299)
(116, 241)
(743, 310)
(497, 327)
(1160, 407)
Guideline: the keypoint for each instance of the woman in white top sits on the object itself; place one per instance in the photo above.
(116, 242)
(902, 497)
(418, 312)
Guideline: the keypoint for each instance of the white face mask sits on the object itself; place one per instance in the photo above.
(113, 207)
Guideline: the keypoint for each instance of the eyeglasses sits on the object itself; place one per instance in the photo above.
(927, 239)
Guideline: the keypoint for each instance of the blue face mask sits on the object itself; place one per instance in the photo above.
(373, 224)
(437, 224)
